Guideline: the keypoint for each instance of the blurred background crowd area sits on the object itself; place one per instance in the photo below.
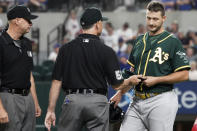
(106, 5)
(121, 38)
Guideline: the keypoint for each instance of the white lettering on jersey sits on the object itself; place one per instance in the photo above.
(29, 53)
(182, 56)
(118, 75)
(159, 56)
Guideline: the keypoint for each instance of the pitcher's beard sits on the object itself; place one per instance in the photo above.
(155, 30)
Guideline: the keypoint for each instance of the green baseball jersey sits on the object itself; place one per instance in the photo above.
(158, 55)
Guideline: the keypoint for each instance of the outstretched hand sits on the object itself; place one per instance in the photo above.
(135, 79)
(116, 98)
(132, 80)
(49, 120)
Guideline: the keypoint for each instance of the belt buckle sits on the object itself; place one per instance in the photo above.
(88, 91)
(24, 92)
(12, 91)
(148, 95)
(91, 91)
(141, 95)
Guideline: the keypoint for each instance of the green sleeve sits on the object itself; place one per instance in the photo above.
(179, 59)
(131, 60)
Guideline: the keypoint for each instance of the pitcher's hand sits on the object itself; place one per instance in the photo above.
(150, 81)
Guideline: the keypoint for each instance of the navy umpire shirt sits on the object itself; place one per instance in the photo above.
(87, 63)
(16, 62)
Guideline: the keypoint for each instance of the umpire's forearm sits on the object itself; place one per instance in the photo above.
(124, 90)
(54, 94)
(33, 90)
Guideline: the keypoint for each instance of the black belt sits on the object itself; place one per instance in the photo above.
(86, 91)
(23, 92)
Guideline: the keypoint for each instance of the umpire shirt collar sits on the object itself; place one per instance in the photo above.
(8, 38)
(89, 36)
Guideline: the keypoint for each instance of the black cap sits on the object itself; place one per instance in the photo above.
(90, 16)
(20, 11)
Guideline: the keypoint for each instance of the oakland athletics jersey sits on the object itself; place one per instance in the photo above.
(158, 55)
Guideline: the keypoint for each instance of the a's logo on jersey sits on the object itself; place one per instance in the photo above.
(118, 75)
(159, 56)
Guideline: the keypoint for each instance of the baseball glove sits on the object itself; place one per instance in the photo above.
(116, 114)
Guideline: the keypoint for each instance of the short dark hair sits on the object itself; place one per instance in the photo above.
(156, 6)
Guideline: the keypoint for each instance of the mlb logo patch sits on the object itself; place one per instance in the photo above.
(86, 40)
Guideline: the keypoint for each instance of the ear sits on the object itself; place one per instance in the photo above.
(97, 25)
(164, 18)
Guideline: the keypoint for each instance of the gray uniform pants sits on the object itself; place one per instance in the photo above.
(21, 112)
(90, 110)
(153, 114)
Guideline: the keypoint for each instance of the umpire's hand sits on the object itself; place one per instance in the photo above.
(3, 116)
(49, 120)
(132, 80)
(116, 98)
(135, 79)
(38, 110)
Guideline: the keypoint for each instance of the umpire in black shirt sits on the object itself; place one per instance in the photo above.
(84, 68)
(18, 101)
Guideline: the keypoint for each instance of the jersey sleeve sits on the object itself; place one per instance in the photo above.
(131, 60)
(58, 67)
(1, 61)
(112, 68)
(179, 60)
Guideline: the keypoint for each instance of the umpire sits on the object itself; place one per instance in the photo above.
(18, 99)
(83, 68)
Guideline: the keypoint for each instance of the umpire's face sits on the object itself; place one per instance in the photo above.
(154, 21)
(23, 25)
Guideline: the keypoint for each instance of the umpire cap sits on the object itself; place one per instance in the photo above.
(20, 11)
(90, 16)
